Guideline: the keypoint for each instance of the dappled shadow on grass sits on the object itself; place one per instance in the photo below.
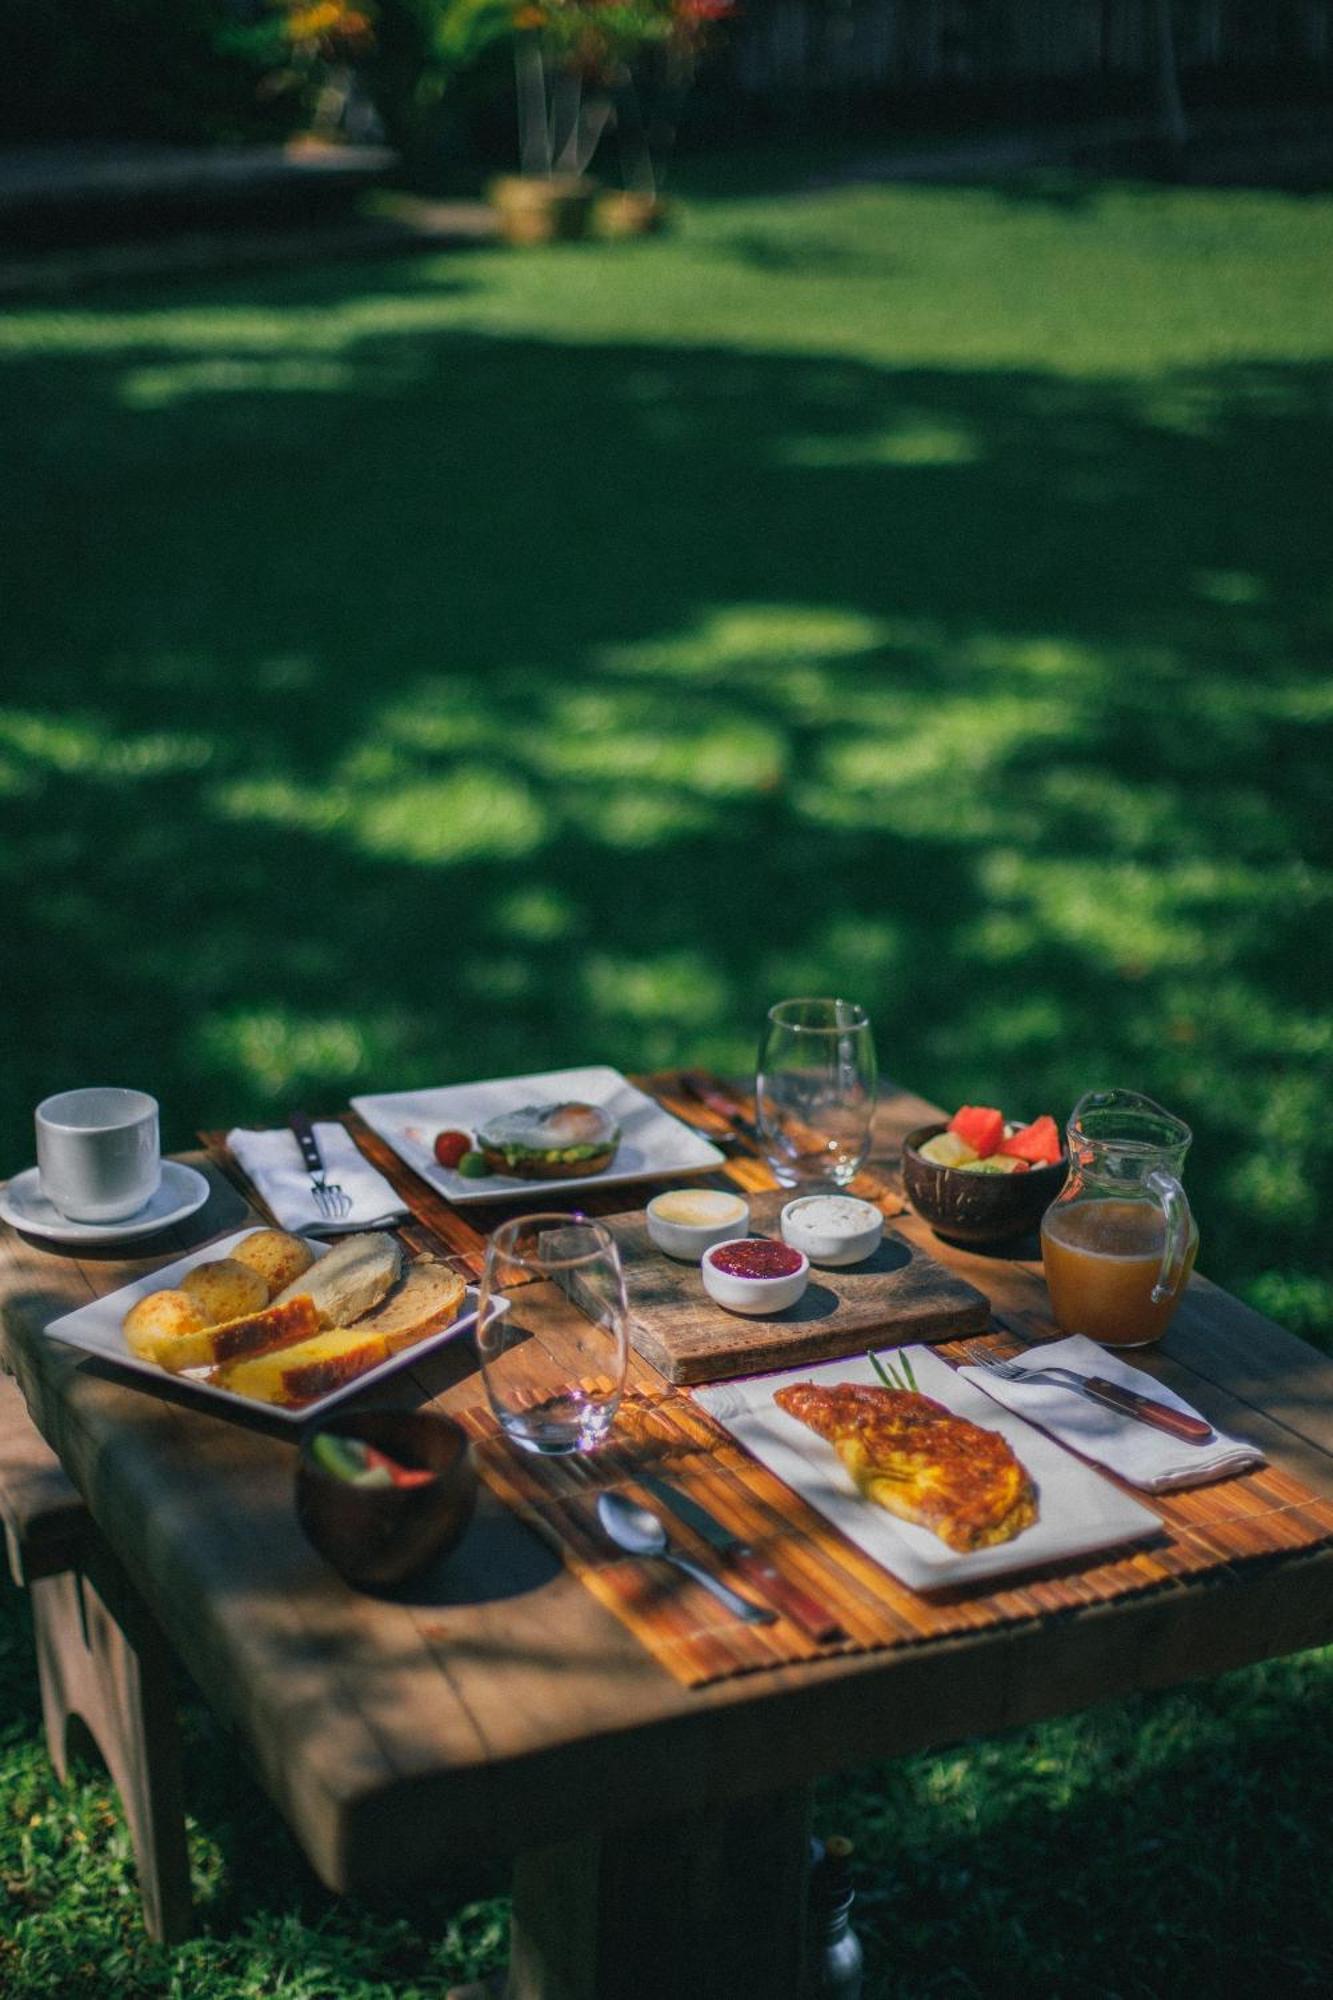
(398, 704)
(1156, 1846)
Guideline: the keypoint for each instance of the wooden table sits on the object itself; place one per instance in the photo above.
(659, 1831)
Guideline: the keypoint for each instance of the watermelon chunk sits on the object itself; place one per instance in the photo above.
(980, 1127)
(400, 1475)
(1037, 1143)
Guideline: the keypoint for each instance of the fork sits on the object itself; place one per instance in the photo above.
(1113, 1395)
(332, 1201)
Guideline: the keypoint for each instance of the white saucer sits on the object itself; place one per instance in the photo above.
(181, 1192)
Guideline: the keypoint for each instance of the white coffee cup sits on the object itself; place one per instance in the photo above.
(99, 1155)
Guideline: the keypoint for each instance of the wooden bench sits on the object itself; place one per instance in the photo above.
(103, 1666)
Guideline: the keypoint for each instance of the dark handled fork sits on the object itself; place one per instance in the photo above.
(333, 1203)
(1112, 1395)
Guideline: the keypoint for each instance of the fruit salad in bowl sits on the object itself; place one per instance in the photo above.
(984, 1178)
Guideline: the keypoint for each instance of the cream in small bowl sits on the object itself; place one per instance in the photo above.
(754, 1274)
(833, 1229)
(685, 1222)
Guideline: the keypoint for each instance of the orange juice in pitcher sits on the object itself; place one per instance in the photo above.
(1118, 1244)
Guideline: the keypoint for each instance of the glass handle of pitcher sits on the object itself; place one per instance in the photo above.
(1179, 1227)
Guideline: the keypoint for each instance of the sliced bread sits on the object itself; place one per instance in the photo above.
(254, 1333)
(350, 1279)
(315, 1367)
(429, 1297)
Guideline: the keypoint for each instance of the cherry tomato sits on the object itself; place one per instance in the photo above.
(451, 1146)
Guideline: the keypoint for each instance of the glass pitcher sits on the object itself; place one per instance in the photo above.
(1118, 1243)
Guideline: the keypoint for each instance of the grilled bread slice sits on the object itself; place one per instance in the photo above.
(208, 1347)
(428, 1299)
(350, 1279)
(294, 1375)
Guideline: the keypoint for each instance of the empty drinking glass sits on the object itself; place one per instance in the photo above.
(554, 1353)
(815, 1091)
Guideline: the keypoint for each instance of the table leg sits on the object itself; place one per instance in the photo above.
(706, 1905)
(103, 1664)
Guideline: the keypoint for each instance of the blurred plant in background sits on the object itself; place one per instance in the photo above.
(582, 68)
(308, 53)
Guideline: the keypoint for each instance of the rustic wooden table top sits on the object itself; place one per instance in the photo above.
(502, 1707)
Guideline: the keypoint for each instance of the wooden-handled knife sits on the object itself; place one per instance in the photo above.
(813, 1617)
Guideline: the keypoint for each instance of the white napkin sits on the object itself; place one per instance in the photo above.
(1136, 1452)
(273, 1162)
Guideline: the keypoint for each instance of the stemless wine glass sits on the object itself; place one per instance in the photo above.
(552, 1331)
(815, 1091)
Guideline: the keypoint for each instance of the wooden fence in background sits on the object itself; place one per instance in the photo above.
(785, 46)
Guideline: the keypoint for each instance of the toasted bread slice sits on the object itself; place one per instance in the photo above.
(429, 1297)
(255, 1333)
(294, 1375)
(350, 1279)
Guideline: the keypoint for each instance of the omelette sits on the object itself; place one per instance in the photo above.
(911, 1455)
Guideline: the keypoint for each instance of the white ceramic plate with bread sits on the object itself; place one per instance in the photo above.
(265, 1321)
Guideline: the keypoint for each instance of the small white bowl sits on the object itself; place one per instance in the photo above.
(833, 1229)
(753, 1295)
(706, 1216)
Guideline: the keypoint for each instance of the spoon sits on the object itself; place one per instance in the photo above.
(639, 1532)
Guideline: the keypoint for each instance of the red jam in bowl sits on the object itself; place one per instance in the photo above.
(755, 1257)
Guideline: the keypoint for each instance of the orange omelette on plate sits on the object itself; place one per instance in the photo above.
(915, 1457)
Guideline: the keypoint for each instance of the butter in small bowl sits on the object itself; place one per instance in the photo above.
(684, 1222)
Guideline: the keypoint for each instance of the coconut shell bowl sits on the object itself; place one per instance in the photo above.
(977, 1209)
(379, 1537)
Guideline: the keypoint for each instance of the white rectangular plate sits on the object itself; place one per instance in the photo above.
(653, 1144)
(1079, 1512)
(96, 1328)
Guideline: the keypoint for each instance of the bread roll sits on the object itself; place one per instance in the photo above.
(159, 1319)
(278, 1257)
(225, 1289)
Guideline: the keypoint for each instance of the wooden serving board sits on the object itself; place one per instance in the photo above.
(898, 1295)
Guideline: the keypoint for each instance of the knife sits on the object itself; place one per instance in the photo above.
(807, 1612)
(1117, 1396)
(1159, 1416)
(699, 1087)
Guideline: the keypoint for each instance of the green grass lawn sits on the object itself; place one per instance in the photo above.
(421, 671)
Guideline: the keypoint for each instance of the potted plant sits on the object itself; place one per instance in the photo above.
(575, 81)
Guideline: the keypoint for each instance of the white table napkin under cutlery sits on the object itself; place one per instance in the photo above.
(1134, 1451)
(272, 1160)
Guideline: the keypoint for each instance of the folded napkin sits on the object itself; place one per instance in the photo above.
(1134, 1451)
(272, 1160)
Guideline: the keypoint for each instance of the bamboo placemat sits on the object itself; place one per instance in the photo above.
(1211, 1530)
